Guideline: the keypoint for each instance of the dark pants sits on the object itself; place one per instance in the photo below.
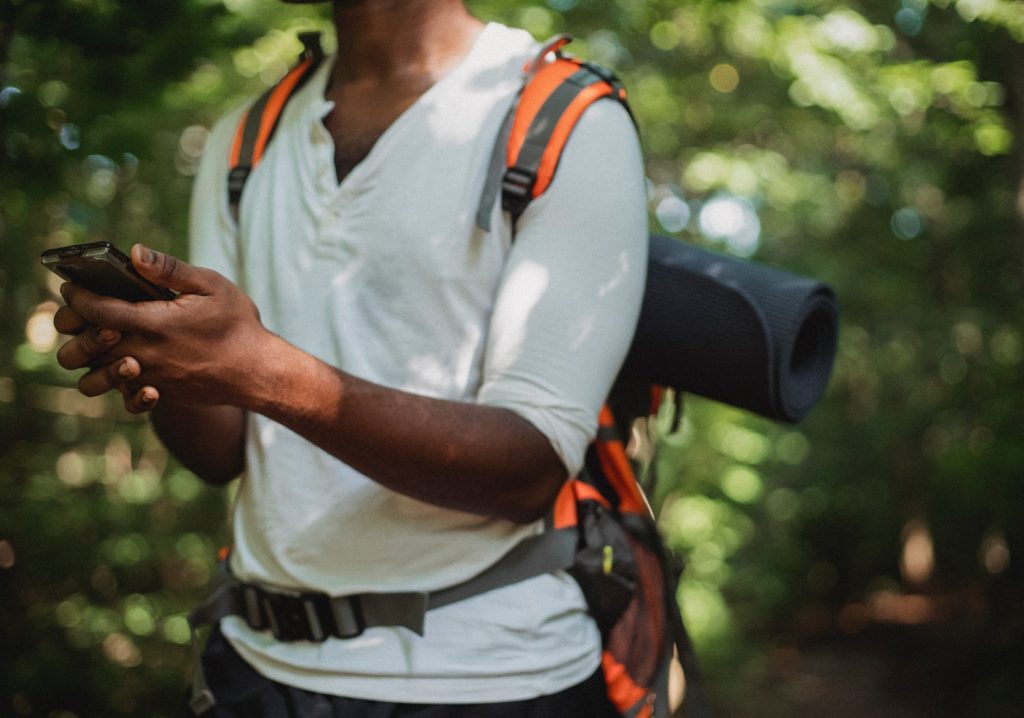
(241, 692)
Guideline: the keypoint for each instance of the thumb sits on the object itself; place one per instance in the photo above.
(167, 271)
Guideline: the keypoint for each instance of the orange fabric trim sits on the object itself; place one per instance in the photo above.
(278, 96)
(586, 492)
(538, 89)
(564, 513)
(623, 692)
(617, 469)
(236, 144)
(564, 127)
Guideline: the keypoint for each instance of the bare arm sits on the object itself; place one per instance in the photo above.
(208, 349)
(209, 441)
(463, 456)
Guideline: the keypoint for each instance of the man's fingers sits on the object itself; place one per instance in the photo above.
(141, 401)
(99, 310)
(68, 321)
(171, 272)
(88, 345)
(111, 376)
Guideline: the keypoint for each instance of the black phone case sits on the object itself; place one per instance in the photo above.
(101, 268)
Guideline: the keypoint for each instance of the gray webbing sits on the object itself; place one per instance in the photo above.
(492, 182)
(552, 550)
(538, 136)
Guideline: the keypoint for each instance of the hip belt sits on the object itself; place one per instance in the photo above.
(315, 616)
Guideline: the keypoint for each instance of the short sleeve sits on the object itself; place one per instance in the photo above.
(213, 233)
(571, 291)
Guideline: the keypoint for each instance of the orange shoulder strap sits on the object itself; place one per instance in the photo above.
(556, 91)
(257, 125)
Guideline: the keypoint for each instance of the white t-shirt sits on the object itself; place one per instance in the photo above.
(387, 277)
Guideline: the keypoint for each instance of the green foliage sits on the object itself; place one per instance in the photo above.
(875, 145)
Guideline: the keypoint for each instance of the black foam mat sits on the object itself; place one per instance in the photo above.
(733, 330)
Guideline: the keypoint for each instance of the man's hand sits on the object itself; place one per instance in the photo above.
(194, 350)
(89, 349)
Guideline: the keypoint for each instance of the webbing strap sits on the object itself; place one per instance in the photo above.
(264, 608)
(532, 164)
(540, 131)
(258, 124)
(553, 550)
(493, 180)
(533, 135)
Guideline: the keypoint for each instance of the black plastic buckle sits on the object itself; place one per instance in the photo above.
(295, 618)
(347, 613)
(516, 187)
(236, 182)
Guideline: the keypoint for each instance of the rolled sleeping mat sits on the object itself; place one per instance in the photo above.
(733, 330)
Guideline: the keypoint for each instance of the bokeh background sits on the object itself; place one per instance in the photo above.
(869, 561)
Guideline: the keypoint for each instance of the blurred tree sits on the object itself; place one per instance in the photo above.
(876, 145)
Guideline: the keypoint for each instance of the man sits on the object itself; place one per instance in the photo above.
(402, 393)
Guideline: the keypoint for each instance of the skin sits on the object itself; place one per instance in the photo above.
(199, 363)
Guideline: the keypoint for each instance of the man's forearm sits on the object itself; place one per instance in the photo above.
(209, 348)
(209, 441)
(475, 458)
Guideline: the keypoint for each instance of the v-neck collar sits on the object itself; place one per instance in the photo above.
(323, 106)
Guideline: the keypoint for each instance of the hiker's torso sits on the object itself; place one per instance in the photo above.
(386, 277)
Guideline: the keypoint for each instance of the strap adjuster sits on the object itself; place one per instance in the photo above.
(236, 183)
(303, 617)
(516, 187)
(347, 612)
(293, 618)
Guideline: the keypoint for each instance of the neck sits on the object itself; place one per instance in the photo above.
(381, 39)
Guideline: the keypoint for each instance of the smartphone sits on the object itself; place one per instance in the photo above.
(101, 268)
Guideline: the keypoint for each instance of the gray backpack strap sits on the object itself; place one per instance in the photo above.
(316, 616)
(496, 167)
(553, 550)
(495, 171)
(527, 176)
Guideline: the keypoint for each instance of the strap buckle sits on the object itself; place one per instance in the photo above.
(303, 617)
(294, 618)
(516, 187)
(236, 182)
(347, 612)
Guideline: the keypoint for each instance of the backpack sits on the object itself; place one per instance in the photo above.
(600, 529)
